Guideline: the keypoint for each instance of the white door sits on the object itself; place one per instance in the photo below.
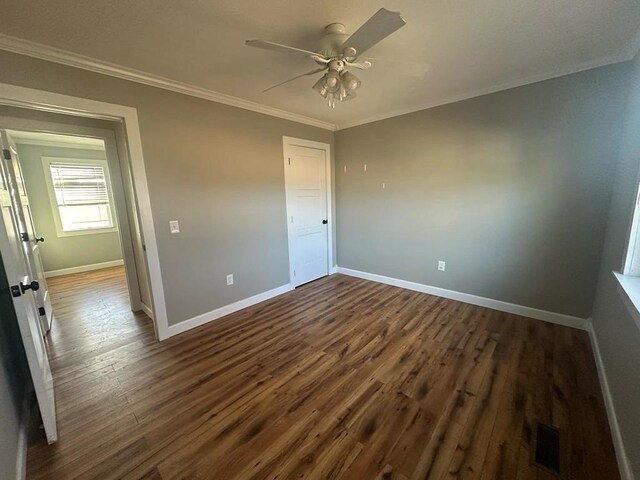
(30, 240)
(306, 187)
(22, 286)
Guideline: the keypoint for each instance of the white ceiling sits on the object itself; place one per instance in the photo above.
(449, 49)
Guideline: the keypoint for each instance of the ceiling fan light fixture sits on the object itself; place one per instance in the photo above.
(349, 96)
(339, 51)
(350, 81)
(332, 81)
(320, 87)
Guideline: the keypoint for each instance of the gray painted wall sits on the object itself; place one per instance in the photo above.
(217, 169)
(511, 189)
(617, 335)
(62, 252)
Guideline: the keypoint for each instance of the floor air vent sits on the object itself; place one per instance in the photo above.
(547, 448)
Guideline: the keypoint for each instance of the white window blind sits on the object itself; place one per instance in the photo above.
(82, 196)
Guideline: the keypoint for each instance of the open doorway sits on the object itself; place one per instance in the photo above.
(66, 186)
(77, 214)
(78, 226)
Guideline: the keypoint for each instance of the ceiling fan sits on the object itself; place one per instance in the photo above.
(338, 52)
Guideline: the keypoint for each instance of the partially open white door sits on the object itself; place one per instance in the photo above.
(307, 210)
(30, 240)
(22, 289)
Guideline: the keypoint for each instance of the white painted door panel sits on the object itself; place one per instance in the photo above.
(19, 276)
(31, 245)
(306, 183)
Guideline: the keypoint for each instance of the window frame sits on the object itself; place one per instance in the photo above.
(628, 279)
(53, 201)
(631, 260)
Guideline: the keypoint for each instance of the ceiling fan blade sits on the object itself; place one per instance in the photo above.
(381, 25)
(281, 48)
(360, 65)
(317, 70)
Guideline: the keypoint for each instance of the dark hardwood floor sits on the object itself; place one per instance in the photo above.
(341, 378)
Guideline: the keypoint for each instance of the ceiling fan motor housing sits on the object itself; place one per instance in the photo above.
(332, 40)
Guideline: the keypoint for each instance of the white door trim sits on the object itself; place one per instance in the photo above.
(54, 102)
(288, 142)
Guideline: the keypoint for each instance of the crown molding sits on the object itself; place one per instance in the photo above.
(64, 57)
(628, 54)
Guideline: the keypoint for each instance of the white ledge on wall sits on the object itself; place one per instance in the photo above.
(629, 291)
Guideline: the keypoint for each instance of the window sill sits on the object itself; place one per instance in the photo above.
(629, 291)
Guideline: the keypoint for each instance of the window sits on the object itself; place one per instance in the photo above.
(629, 278)
(80, 195)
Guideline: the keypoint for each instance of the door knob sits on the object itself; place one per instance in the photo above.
(39, 239)
(30, 286)
(324, 222)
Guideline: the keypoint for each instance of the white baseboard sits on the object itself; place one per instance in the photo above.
(333, 270)
(621, 455)
(559, 318)
(146, 310)
(83, 268)
(226, 310)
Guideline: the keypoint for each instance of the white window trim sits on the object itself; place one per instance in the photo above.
(629, 291)
(633, 242)
(629, 279)
(46, 163)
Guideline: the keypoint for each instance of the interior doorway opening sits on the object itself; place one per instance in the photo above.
(78, 193)
(79, 255)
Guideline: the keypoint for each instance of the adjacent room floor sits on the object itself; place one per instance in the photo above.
(341, 378)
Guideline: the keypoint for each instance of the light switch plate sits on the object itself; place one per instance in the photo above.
(174, 226)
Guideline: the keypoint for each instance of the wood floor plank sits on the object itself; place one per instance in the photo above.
(340, 379)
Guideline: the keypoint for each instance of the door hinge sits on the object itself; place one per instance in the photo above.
(15, 291)
(24, 237)
(6, 153)
(42, 311)
(289, 161)
(294, 273)
(144, 247)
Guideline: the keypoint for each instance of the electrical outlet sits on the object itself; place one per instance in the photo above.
(174, 226)
(230, 279)
(441, 265)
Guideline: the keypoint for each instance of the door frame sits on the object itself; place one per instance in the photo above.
(117, 188)
(287, 143)
(15, 96)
